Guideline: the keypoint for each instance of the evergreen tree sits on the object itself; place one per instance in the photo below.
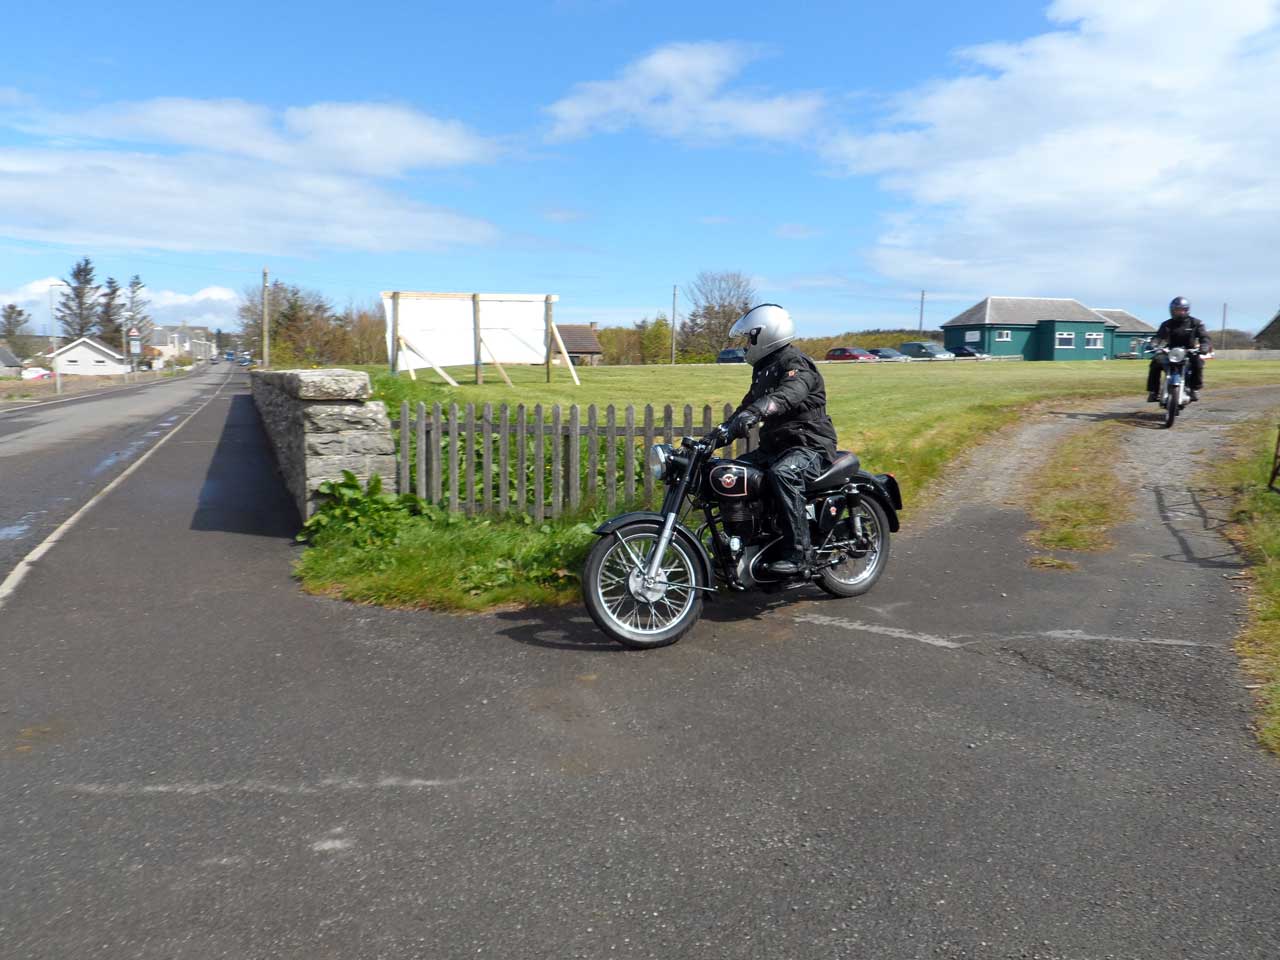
(77, 309)
(13, 321)
(135, 306)
(111, 307)
(655, 340)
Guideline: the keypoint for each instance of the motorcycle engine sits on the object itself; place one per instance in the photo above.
(741, 520)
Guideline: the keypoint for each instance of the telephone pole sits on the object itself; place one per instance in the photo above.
(922, 311)
(673, 323)
(1222, 341)
(266, 327)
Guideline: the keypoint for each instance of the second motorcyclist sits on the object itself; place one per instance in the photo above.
(797, 439)
(1180, 330)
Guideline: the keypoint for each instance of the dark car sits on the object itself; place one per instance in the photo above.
(854, 354)
(970, 353)
(925, 350)
(889, 354)
(732, 355)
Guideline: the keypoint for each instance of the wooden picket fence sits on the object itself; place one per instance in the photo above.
(539, 462)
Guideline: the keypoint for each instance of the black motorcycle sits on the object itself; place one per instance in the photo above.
(646, 577)
(1174, 394)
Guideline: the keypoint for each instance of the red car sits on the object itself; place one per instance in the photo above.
(855, 354)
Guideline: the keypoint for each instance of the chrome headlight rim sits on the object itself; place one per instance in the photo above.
(1177, 354)
(659, 459)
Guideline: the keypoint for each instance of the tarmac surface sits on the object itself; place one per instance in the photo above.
(977, 760)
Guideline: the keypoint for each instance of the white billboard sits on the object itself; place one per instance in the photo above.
(439, 330)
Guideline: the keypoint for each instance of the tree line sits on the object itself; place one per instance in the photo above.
(306, 329)
(85, 308)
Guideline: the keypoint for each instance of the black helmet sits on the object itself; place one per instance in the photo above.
(1179, 303)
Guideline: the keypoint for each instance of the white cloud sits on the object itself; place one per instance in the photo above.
(200, 202)
(362, 138)
(796, 231)
(1126, 155)
(211, 306)
(171, 298)
(679, 91)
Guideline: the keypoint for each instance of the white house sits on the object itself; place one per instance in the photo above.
(88, 357)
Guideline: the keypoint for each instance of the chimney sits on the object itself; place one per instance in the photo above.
(594, 326)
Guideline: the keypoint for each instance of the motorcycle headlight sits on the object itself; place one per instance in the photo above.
(1178, 354)
(660, 455)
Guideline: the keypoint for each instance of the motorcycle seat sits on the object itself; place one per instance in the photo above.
(840, 472)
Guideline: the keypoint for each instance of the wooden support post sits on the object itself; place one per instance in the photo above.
(494, 358)
(555, 332)
(475, 334)
(546, 316)
(408, 344)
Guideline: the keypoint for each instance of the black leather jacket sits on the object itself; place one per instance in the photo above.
(788, 394)
(1184, 332)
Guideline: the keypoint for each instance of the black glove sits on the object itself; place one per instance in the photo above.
(719, 436)
(740, 423)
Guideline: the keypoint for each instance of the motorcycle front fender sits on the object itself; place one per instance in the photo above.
(680, 530)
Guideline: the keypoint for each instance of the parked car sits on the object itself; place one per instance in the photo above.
(853, 354)
(889, 354)
(732, 355)
(968, 353)
(36, 373)
(925, 350)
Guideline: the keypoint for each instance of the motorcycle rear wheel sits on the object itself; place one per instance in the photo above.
(631, 612)
(856, 575)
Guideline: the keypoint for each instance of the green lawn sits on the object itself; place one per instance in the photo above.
(906, 419)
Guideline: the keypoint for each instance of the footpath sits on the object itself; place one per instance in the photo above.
(978, 760)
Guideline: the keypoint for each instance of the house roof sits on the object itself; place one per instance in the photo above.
(1125, 320)
(1268, 329)
(91, 341)
(7, 359)
(579, 338)
(1025, 311)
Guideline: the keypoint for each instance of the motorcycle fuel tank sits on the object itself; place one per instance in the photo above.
(734, 480)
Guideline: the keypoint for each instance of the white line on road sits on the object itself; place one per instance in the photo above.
(198, 788)
(958, 642)
(36, 404)
(19, 572)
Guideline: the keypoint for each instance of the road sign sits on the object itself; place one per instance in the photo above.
(135, 345)
(133, 332)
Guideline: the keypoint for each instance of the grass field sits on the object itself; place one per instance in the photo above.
(909, 419)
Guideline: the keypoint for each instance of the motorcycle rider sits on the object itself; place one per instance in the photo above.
(1180, 330)
(797, 439)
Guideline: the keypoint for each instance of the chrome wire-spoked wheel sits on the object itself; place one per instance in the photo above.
(860, 565)
(629, 605)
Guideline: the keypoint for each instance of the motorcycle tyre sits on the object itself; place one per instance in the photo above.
(591, 598)
(836, 587)
(1171, 409)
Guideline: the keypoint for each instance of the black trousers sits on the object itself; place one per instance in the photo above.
(1195, 372)
(789, 472)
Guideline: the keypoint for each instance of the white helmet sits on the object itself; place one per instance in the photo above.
(767, 328)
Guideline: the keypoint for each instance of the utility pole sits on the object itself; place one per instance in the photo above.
(921, 311)
(53, 340)
(266, 327)
(673, 323)
(1222, 341)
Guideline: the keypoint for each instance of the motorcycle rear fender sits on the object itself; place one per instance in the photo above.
(884, 488)
(680, 530)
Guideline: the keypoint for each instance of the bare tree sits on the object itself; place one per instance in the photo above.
(718, 299)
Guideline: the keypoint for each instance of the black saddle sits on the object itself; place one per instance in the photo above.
(840, 472)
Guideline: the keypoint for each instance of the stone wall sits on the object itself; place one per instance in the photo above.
(1246, 354)
(322, 422)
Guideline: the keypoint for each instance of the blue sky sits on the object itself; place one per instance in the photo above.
(844, 155)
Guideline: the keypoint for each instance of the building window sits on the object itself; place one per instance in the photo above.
(1093, 341)
(1004, 336)
(100, 361)
(70, 360)
(1065, 341)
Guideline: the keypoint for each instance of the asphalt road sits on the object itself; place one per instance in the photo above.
(55, 454)
(979, 760)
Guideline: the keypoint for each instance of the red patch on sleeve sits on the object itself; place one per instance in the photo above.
(791, 373)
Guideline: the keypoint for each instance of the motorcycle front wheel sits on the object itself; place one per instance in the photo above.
(631, 609)
(856, 574)
(1171, 406)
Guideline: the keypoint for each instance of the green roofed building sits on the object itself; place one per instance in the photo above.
(1129, 331)
(1041, 328)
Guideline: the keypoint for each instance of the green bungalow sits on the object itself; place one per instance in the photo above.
(1042, 328)
(1129, 331)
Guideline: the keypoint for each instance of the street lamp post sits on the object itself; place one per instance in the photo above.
(53, 337)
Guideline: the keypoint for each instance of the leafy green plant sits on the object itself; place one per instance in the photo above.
(364, 516)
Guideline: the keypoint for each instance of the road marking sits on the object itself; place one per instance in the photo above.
(19, 572)
(895, 632)
(198, 788)
(968, 640)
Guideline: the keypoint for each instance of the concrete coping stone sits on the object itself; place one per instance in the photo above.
(328, 384)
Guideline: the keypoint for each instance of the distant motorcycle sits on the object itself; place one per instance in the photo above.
(1174, 393)
(647, 576)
